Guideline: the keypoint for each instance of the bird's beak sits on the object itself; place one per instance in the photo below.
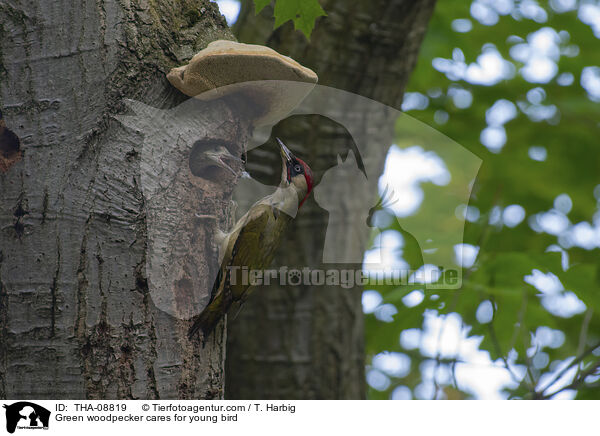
(218, 159)
(286, 154)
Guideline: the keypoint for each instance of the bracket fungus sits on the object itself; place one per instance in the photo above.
(254, 76)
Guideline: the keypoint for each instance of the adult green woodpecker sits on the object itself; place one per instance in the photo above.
(254, 239)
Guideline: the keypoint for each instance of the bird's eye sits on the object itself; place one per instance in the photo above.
(297, 168)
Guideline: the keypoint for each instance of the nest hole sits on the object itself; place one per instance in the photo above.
(10, 146)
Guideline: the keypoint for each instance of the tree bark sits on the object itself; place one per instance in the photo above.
(76, 315)
(301, 342)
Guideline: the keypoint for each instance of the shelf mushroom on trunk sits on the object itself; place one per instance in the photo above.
(259, 79)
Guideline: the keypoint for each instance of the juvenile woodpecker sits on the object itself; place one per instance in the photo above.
(254, 239)
(216, 155)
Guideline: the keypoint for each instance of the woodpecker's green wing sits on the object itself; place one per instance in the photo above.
(255, 245)
(250, 245)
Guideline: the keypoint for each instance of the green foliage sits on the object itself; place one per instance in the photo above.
(303, 13)
(259, 5)
(510, 336)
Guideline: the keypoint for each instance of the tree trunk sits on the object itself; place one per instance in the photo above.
(77, 314)
(301, 342)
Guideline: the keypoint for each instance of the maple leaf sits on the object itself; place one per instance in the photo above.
(303, 13)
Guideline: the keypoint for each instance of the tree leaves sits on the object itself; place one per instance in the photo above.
(584, 282)
(512, 176)
(303, 13)
(259, 5)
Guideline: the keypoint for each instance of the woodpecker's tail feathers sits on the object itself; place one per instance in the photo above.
(205, 322)
(194, 329)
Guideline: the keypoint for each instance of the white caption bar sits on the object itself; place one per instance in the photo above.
(89, 418)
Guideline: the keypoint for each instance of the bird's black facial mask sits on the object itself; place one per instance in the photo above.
(294, 168)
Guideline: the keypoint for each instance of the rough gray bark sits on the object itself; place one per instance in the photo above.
(297, 342)
(76, 317)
